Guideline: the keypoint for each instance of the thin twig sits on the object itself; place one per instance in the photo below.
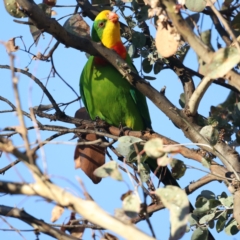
(39, 83)
(225, 24)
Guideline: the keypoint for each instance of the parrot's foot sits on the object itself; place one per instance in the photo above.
(97, 118)
(151, 131)
(60, 114)
(99, 123)
(123, 129)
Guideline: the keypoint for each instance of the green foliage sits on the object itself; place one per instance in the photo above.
(200, 233)
(13, 9)
(182, 100)
(175, 199)
(206, 38)
(109, 169)
(146, 65)
(144, 172)
(222, 62)
(154, 148)
(178, 168)
(195, 6)
(127, 147)
(157, 67)
(131, 205)
(211, 209)
(138, 39)
(125, 144)
(210, 133)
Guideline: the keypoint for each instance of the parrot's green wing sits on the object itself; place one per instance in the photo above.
(140, 101)
(110, 97)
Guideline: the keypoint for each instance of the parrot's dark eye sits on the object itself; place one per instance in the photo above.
(101, 24)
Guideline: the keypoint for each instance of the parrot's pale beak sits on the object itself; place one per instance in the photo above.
(113, 17)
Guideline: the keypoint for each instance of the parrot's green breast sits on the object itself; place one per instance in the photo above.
(107, 95)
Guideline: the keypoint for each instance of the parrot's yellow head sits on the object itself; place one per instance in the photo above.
(106, 28)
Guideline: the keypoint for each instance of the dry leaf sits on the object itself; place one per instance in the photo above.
(108, 236)
(77, 26)
(76, 231)
(57, 213)
(53, 13)
(10, 45)
(167, 40)
(129, 192)
(88, 157)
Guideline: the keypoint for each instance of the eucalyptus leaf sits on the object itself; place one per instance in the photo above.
(206, 38)
(221, 223)
(231, 227)
(193, 219)
(195, 6)
(144, 172)
(227, 202)
(124, 144)
(200, 233)
(222, 62)
(202, 205)
(13, 9)
(154, 148)
(109, 169)
(143, 14)
(178, 168)
(211, 224)
(147, 67)
(207, 218)
(208, 194)
(157, 67)
(131, 205)
(131, 50)
(149, 78)
(138, 39)
(182, 100)
(205, 163)
(176, 200)
(210, 133)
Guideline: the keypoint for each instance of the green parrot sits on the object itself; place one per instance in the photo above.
(104, 91)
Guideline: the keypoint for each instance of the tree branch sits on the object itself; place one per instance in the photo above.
(39, 83)
(38, 225)
(86, 208)
(202, 50)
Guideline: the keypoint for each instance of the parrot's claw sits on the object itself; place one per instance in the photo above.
(97, 118)
(151, 131)
(123, 129)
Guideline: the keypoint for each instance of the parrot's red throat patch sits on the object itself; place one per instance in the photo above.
(119, 49)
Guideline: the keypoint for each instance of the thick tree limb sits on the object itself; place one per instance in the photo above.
(85, 127)
(86, 208)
